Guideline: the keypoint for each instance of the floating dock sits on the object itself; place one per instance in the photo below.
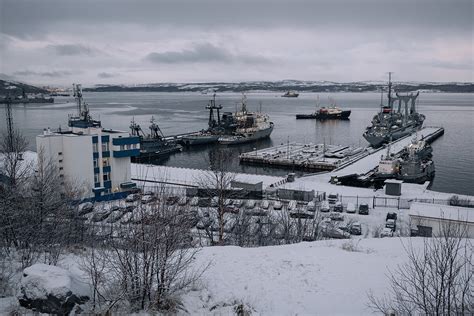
(341, 160)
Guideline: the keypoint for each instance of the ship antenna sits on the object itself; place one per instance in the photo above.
(390, 90)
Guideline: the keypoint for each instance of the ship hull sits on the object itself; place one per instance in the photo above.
(378, 140)
(344, 115)
(155, 149)
(195, 140)
(234, 140)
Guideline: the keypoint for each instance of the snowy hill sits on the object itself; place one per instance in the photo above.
(285, 85)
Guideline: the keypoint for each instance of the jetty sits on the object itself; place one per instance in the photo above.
(340, 160)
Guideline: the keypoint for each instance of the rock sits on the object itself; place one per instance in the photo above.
(50, 289)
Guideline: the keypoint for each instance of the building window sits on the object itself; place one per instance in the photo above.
(96, 163)
(105, 162)
(95, 147)
(106, 176)
(96, 178)
(105, 146)
(60, 153)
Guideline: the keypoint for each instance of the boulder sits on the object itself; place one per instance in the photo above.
(50, 289)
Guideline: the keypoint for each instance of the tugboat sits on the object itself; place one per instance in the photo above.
(153, 145)
(326, 113)
(290, 94)
(214, 131)
(249, 126)
(390, 124)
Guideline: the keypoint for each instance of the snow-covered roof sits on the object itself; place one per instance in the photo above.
(188, 176)
(438, 211)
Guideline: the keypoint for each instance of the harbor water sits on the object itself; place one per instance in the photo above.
(177, 113)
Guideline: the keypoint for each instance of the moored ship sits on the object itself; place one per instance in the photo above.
(153, 145)
(290, 94)
(249, 126)
(390, 124)
(326, 113)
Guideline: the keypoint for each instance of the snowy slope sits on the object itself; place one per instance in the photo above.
(317, 278)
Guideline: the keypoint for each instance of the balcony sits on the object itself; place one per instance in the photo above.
(126, 153)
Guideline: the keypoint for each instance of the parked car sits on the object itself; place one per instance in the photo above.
(391, 215)
(100, 216)
(333, 198)
(147, 199)
(182, 201)
(335, 216)
(132, 197)
(356, 229)
(292, 205)
(85, 208)
(386, 232)
(231, 209)
(171, 200)
(334, 232)
(301, 214)
(325, 206)
(311, 206)
(338, 207)
(148, 193)
(194, 201)
(115, 216)
(351, 208)
(250, 204)
(238, 203)
(277, 205)
(214, 201)
(364, 209)
(391, 223)
(114, 208)
(265, 204)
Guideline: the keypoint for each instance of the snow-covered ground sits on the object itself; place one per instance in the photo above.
(309, 278)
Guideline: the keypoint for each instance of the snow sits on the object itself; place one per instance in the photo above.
(188, 176)
(317, 278)
(41, 280)
(455, 213)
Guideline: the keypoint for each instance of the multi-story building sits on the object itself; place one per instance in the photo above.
(89, 156)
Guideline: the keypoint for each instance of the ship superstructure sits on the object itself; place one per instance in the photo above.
(391, 123)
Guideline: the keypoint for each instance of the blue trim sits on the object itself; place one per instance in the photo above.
(107, 184)
(106, 169)
(96, 170)
(95, 139)
(107, 197)
(105, 139)
(95, 155)
(126, 140)
(126, 153)
(105, 154)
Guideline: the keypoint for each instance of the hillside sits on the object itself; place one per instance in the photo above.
(285, 85)
(14, 88)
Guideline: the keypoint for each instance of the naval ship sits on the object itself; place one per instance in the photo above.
(326, 113)
(391, 123)
(247, 126)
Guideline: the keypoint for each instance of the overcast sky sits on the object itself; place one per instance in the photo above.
(97, 42)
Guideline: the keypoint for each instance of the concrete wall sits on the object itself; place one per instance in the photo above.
(437, 224)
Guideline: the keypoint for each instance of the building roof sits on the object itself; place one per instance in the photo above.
(438, 211)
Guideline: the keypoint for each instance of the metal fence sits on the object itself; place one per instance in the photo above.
(400, 203)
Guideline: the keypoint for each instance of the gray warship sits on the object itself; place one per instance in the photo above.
(394, 124)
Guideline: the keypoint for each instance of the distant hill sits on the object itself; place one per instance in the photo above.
(285, 85)
(14, 88)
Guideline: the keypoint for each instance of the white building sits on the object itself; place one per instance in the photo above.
(94, 158)
(431, 218)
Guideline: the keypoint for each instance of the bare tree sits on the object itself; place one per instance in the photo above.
(436, 280)
(217, 182)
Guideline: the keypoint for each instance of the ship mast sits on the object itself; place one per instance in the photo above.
(390, 90)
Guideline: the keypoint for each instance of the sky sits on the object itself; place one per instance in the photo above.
(137, 42)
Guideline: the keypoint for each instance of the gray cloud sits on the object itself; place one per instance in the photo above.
(106, 75)
(203, 53)
(51, 74)
(71, 49)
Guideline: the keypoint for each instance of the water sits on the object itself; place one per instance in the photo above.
(176, 113)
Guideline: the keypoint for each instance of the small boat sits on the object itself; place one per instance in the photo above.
(290, 94)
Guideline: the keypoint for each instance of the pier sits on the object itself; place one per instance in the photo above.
(340, 160)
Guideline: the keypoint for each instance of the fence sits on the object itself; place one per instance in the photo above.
(401, 203)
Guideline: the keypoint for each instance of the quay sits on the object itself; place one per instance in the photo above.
(340, 160)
